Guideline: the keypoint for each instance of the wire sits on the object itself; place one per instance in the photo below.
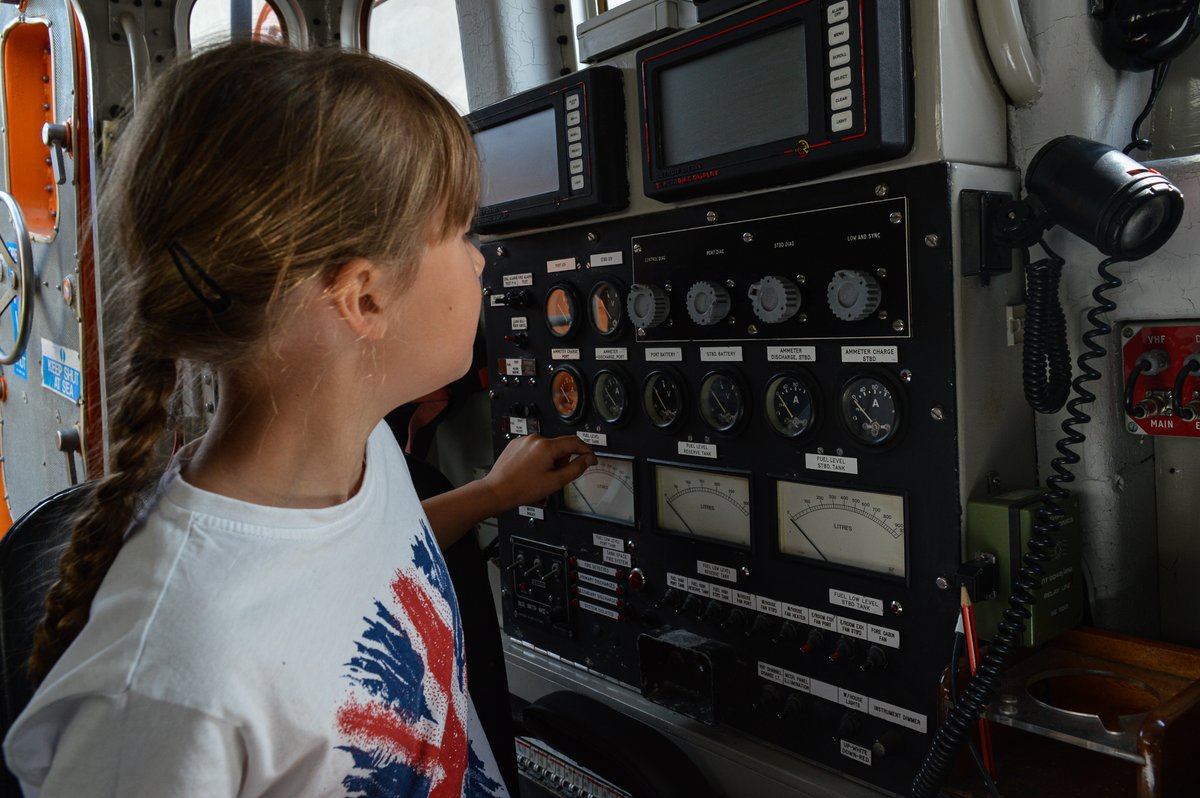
(955, 655)
(1007, 639)
(1141, 367)
(1045, 359)
(1190, 366)
(1156, 84)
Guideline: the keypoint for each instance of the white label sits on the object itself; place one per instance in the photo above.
(827, 462)
(62, 369)
(596, 608)
(898, 715)
(769, 606)
(720, 354)
(604, 597)
(496, 300)
(822, 619)
(792, 354)
(852, 628)
(722, 593)
(532, 512)
(772, 672)
(518, 280)
(520, 322)
(608, 542)
(870, 354)
(560, 265)
(716, 571)
(512, 366)
(564, 354)
(797, 681)
(612, 353)
(597, 581)
(693, 449)
(856, 752)
(676, 581)
(883, 636)
(853, 700)
(518, 426)
(743, 599)
(618, 558)
(794, 613)
(699, 588)
(823, 690)
(597, 567)
(856, 602)
(668, 355)
(608, 259)
(593, 438)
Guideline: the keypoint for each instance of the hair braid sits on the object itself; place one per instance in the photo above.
(99, 529)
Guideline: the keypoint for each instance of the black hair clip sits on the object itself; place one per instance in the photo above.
(220, 301)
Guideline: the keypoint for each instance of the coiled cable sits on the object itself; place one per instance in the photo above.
(1045, 360)
(979, 692)
(1136, 142)
(1182, 411)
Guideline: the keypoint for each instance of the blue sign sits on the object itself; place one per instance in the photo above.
(61, 370)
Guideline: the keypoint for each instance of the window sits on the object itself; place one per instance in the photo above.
(217, 21)
(421, 36)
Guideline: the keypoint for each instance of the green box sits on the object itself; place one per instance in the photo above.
(1001, 526)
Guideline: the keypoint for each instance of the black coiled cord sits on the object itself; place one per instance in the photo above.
(1136, 142)
(979, 692)
(1045, 360)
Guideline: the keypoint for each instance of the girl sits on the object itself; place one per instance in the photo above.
(278, 620)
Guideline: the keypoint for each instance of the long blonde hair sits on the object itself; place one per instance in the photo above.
(265, 167)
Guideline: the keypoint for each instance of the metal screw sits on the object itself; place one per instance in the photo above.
(896, 608)
(629, 544)
(550, 368)
(732, 320)
(801, 317)
(691, 439)
(668, 288)
(744, 572)
(729, 283)
(711, 216)
(752, 329)
(1008, 704)
(937, 413)
(592, 237)
(486, 290)
(533, 380)
(501, 252)
(896, 217)
(941, 583)
(898, 325)
(491, 394)
(840, 452)
(881, 272)
(883, 314)
(881, 190)
(637, 249)
(641, 332)
(1127, 332)
(820, 450)
(906, 375)
(801, 279)
(748, 237)
(1131, 426)
(931, 240)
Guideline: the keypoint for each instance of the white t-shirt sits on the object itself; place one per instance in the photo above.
(241, 650)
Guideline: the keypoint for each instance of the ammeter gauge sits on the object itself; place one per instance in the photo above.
(703, 504)
(841, 526)
(721, 401)
(870, 410)
(662, 399)
(791, 405)
(604, 491)
(610, 396)
(606, 308)
(566, 393)
(562, 310)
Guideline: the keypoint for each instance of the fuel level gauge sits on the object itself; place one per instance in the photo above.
(604, 491)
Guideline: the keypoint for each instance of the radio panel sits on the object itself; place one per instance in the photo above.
(761, 542)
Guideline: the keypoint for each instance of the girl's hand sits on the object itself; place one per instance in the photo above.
(532, 467)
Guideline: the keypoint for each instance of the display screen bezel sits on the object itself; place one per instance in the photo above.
(538, 110)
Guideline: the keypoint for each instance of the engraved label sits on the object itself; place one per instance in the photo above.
(520, 322)
(823, 690)
(597, 567)
(608, 542)
(532, 512)
(618, 558)
(722, 593)
(518, 426)
(593, 438)
(797, 681)
(676, 581)
(743, 599)
(870, 354)
(612, 353)
(564, 354)
(597, 581)
(560, 265)
(853, 700)
(794, 613)
(822, 619)
(769, 606)
(604, 597)
(664, 355)
(856, 602)
(608, 259)
(852, 628)
(716, 571)
(720, 354)
(512, 366)
(883, 636)
(518, 280)
(792, 354)
(856, 752)
(694, 449)
(897, 715)
(827, 462)
(772, 672)
(596, 608)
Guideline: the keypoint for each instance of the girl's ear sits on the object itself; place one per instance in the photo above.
(359, 295)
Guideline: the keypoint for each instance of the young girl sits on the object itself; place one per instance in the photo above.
(277, 619)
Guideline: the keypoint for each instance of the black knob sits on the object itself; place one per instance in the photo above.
(714, 612)
(788, 633)
(794, 705)
(515, 299)
(737, 619)
(875, 660)
(843, 652)
(815, 641)
(848, 726)
(890, 743)
(672, 598)
(519, 339)
(768, 699)
(691, 606)
(763, 626)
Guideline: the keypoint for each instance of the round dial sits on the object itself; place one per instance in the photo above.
(610, 396)
(662, 399)
(562, 310)
(853, 295)
(648, 305)
(566, 393)
(791, 407)
(707, 303)
(721, 401)
(871, 410)
(605, 308)
(774, 299)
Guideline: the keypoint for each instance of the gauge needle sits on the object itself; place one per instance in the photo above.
(680, 517)
(563, 390)
(608, 395)
(788, 409)
(862, 410)
(662, 403)
(719, 404)
(806, 537)
(585, 501)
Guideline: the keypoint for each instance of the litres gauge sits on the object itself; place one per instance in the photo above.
(842, 527)
(703, 504)
(562, 310)
(662, 399)
(721, 401)
(606, 309)
(605, 491)
(566, 393)
(871, 410)
(791, 405)
(610, 396)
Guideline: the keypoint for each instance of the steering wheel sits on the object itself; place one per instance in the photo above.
(17, 282)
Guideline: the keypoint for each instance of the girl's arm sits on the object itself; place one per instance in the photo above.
(527, 471)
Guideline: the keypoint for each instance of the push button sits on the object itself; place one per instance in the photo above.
(575, 134)
(572, 117)
(838, 79)
(837, 12)
(577, 182)
(575, 150)
(841, 100)
(577, 166)
(839, 56)
(839, 34)
(843, 120)
(572, 101)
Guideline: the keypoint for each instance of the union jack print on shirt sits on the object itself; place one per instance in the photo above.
(405, 718)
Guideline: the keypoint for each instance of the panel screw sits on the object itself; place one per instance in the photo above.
(937, 413)
(1127, 332)
(802, 317)
(820, 450)
(637, 249)
(883, 314)
(1131, 426)
(898, 325)
(801, 279)
(729, 283)
(744, 572)
(491, 394)
(641, 332)
(501, 252)
(906, 375)
(629, 544)
(752, 329)
(592, 237)
(941, 583)
(931, 240)
(748, 237)
(881, 190)
(711, 216)
(896, 608)
(896, 217)
(486, 291)
(839, 451)
(881, 272)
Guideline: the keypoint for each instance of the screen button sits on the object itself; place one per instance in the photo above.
(842, 121)
(839, 34)
(572, 102)
(839, 56)
(577, 182)
(572, 117)
(838, 12)
(838, 79)
(577, 166)
(575, 134)
(576, 150)
(840, 100)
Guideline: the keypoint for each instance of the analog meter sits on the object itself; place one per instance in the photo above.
(791, 405)
(703, 504)
(841, 526)
(566, 393)
(562, 310)
(721, 401)
(606, 308)
(871, 410)
(662, 399)
(604, 491)
(610, 396)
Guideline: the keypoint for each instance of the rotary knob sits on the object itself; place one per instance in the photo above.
(648, 305)
(707, 303)
(775, 299)
(853, 295)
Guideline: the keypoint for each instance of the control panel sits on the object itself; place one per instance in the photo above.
(769, 383)
(1162, 378)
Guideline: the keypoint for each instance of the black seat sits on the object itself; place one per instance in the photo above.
(28, 556)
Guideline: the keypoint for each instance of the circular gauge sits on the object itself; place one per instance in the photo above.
(722, 401)
(791, 406)
(610, 396)
(562, 310)
(566, 393)
(662, 399)
(871, 410)
(606, 309)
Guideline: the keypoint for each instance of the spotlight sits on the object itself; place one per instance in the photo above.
(1124, 209)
